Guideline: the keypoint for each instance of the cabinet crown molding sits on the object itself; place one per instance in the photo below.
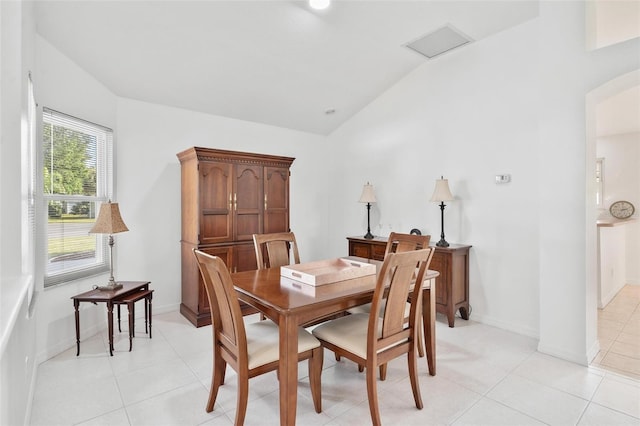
(237, 157)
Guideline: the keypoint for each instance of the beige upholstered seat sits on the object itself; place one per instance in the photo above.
(250, 349)
(373, 340)
(272, 250)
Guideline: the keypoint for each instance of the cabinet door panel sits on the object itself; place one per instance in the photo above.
(215, 205)
(440, 263)
(276, 202)
(248, 201)
(244, 258)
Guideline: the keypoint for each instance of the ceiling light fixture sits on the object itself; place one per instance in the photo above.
(319, 4)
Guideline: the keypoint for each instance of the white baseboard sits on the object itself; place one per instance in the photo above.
(65, 344)
(593, 351)
(568, 356)
(509, 326)
(32, 389)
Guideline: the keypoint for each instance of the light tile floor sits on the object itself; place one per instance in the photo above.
(485, 376)
(619, 333)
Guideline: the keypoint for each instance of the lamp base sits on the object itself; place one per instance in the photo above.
(110, 287)
(442, 243)
(368, 236)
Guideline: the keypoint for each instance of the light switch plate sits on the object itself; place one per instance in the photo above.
(503, 178)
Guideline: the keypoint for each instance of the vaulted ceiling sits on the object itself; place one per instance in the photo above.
(274, 62)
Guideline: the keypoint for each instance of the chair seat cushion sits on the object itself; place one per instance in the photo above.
(263, 342)
(366, 308)
(348, 332)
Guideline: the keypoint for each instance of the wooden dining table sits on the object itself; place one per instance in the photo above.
(290, 305)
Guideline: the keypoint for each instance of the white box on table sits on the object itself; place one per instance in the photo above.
(327, 271)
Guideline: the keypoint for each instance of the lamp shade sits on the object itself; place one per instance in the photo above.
(441, 191)
(368, 196)
(109, 220)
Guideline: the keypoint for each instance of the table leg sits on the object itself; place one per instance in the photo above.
(76, 305)
(288, 370)
(110, 322)
(149, 316)
(132, 315)
(146, 313)
(429, 325)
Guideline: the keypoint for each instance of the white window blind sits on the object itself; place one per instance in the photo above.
(77, 178)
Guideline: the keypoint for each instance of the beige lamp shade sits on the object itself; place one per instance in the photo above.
(368, 196)
(441, 191)
(109, 220)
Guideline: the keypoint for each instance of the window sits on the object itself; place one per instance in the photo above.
(77, 178)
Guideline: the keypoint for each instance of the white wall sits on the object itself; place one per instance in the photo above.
(148, 179)
(468, 115)
(17, 325)
(513, 103)
(63, 86)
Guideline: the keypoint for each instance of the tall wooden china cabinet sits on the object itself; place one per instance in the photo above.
(227, 197)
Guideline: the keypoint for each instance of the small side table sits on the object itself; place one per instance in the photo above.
(130, 300)
(95, 296)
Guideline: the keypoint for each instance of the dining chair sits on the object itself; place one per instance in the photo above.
(273, 250)
(250, 349)
(397, 243)
(372, 339)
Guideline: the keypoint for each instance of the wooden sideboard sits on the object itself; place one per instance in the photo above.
(452, 286)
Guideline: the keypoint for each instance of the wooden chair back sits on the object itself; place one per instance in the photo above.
(398, 242)
(248, 356)
(226, 317)
(273, 250)
(393, 288)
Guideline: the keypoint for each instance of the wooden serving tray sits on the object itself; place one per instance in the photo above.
(327, 271)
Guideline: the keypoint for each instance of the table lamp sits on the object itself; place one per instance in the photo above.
(109, 222)
(441, 193)
(368, 196)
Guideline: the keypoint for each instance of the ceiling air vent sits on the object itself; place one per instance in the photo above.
(439, 41)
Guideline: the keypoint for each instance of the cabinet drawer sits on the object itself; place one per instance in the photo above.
(360, 250)
(378, 252)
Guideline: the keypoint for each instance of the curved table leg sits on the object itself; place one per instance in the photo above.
(76, 305)
(110, 322)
